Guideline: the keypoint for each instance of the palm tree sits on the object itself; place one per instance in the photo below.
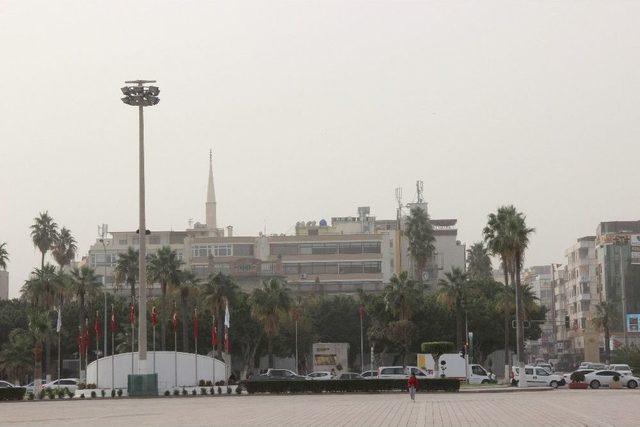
(453, 293)
(39, 329)
(4, 256)
(606, 314)
(216, 292)
(16, 357)
(85, 286)
(40, 288)
(187, 285)
(401, 296)
(64, 248)
(478, 262)
(421, 240)
(269, 304)
(43, 233)
(164, 267)
(126, 271)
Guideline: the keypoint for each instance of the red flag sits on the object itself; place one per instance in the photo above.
(132, 314)
(96, 325)
(214, 334)
(195, 324)
(114, 323)
(154, 316)
(80, 341)
(85, 336)
(361, 312)
(174, 320)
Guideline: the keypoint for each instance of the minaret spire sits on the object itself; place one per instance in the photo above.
(211, 197)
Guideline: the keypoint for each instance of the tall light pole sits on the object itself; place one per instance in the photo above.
(138, 95)
(103, 230)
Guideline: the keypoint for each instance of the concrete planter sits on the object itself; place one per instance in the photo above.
(578, 386)
(616, 384)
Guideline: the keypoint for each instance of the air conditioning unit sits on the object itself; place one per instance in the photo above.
(303, 276)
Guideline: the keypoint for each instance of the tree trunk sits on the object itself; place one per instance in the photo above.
(270, 351)
(163, 317)
(519, 314)
(607, 348)
(82, 311)
(185, 326)
(507, 316)
(42, 261)
(459, 328)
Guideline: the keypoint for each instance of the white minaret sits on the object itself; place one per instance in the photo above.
(211, 198)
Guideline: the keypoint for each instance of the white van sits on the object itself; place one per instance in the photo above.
(479, 375)
(537, 376)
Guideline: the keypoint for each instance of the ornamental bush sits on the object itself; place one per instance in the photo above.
(176, 392)
(70, 394)
(103, 392)
(113, 392)
(203, 391)
(349, 386)
(438, 348)
(577, 377)
(212, 391)
(93, 394)
(167, 393)
(201, 383)
(184, 391)
(14, 393)
(119, 392)
(194, 392)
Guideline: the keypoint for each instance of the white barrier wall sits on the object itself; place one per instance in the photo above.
(165, 368)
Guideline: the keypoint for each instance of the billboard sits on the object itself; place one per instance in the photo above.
(633, 322)
(634, 242)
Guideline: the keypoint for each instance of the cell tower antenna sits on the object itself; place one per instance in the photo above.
(399, 197)
(419, 189)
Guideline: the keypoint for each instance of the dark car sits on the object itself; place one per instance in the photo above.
(278, 375)
(350, 376)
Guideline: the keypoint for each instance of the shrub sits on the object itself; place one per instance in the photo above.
(238, 390)
(208, 383)
(119, 392)
(219, 390)
(14, 393)
(438, 348)
(82, 386)
(184, 391)
(103, 392)
(92, 385)
(194, 392)
(113, 392)
(82, 396)
(167, 393)
(62, 392)
(203, 391)
(228, 390)
(212, 391)
(51, 393)
(616, 378)
(349, 386)
(577, 377)
(201, 383)
(70, 394)
(41, 394)
(93, 394)
(30, 395)
(176, 392)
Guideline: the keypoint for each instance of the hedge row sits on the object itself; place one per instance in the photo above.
(12, 393)
(347, 386)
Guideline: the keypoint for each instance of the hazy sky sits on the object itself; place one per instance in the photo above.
(313, 108)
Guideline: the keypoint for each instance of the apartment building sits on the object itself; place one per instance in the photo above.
(540, 280)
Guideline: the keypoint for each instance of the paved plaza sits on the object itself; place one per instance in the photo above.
(555, 407)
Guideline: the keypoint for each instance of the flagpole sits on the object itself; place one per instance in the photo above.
(133, 345)
(154, 349)
(195, 338)
(97, 329)
(297, 363)
(213, 343)
(175, 356)
(113, 349)
(59, 329)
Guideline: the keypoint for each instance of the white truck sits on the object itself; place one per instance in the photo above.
(452, 365)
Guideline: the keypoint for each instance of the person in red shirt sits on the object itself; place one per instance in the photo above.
(413, 386)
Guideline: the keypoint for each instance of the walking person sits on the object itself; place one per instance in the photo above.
(413, 386)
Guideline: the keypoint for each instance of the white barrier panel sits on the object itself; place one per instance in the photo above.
(165, 368)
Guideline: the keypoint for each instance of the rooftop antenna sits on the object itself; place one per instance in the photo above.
(419, 189)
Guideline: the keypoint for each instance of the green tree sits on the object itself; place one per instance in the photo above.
(40, 288)
(64, 247)
(4, 256)
(39, 329)
(402, 296)
(269, 304)
(127, 271)
(85, 286)
(479, 262)
(246, 334)
(43, 234)
(164, 268)
(419, 231)
(606, 315)
(453, 292)
(187, 286)
(16, 356)
(219, 290)
(402, 334)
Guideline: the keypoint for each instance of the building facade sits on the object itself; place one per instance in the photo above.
(4, 285)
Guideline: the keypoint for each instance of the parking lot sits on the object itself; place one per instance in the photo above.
(554, 407)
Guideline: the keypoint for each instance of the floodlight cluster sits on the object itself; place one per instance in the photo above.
(144, 96)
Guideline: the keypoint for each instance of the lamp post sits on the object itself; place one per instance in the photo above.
(138, 95)
(103, 230)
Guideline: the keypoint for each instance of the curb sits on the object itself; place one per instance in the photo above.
(507, 390)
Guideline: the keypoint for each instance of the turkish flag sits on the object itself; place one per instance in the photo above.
(96, 326)
(361, 312)
(132, 314)
(227, 343)
(154, 317)
(114, 323)
(214, 335)
(174, 321)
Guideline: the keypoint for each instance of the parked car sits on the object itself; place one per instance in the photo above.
(320, 376)
(546, 366)
(369, 374)
(597, 379)
(623, 369)
(350, 376)
(68, 383)
(31, 387)
(479, 375)
(567, 376)
(277, 374)
(537, 376)
(400, 372)
(6, 384)
(592, 365)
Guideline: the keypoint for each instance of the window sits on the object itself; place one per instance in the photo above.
(221, 268)
(417, 372)
(542, 372)
(122, 241)
(291, 268)
(221, 250)
(528, 371)
(350, 248)
(199, 251)
(267, 267)
(305, 249)
(477, 370)
(331, 268)
(349, 268)
(371, 248)
(306, 268)
(245, 268)
(154, 240)
(284, 249)
(371, 267)
(324, 249)
(243, 250)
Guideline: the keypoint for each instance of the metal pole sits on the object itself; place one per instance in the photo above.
(361, 347)
(213, 355)
(196, 355)
(113, 351)
(59, 357)
(297, 363)
(466, 345)
(624, 301)
(154, 348)
(104, 285)
(142, 259)
(175, 357)
(133, 345)
(371, 363)
(97, 361)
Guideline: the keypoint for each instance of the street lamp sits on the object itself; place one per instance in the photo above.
(138, 95)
